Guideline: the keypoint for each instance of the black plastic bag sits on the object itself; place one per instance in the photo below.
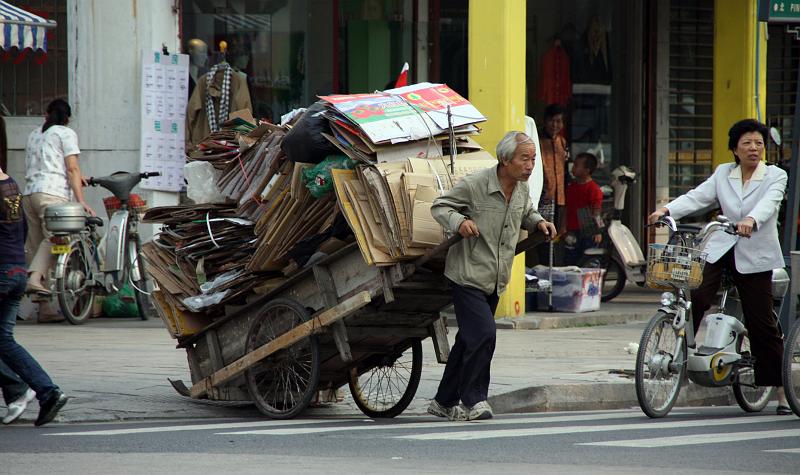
(305, 143)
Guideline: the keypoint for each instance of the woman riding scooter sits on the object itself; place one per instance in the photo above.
(750, 193)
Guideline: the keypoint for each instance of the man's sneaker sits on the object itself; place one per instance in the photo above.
(480, 411)
(453, 413)
(16, 408)
(50, 407)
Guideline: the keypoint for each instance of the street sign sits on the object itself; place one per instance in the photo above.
(779, 11)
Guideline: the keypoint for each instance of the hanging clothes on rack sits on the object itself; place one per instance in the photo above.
(218, 93)
(555, 84)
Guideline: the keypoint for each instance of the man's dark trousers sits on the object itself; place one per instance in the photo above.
(466, 375)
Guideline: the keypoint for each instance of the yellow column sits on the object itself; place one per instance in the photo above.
(497, 88)
(740, 70)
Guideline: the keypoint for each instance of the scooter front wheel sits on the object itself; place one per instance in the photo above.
(660, 366)
(614, 277)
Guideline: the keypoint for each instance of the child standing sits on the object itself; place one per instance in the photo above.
(582, 192)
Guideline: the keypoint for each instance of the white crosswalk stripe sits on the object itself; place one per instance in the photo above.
(696, 439)
(215, 426)
(439, 424)
(534, 431)
(785, 451)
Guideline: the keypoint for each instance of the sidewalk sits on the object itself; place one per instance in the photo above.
(117, 369)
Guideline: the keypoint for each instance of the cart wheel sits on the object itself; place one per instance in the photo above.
(388, 386)
(282, 384)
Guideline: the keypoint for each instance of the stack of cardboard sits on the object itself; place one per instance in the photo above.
(388, 205)
(197, 245)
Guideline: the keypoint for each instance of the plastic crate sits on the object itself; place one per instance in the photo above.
(574, 290)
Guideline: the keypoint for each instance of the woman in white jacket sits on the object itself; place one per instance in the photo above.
(749, 193)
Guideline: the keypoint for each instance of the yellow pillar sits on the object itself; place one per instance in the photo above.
(740, 70)
(497, 88)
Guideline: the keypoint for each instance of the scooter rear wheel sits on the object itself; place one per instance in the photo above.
(791, 368)
(750, 398)
(75, 298)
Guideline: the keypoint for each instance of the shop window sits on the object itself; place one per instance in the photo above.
(29, 80)
(783, 60)
(691, 83)
(283, 48)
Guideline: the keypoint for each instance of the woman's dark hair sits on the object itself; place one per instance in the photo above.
(742, 127)
(553, 110)
(589, 161)
(3, 145)
(58, 113)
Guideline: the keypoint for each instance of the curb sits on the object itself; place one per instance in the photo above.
(565, 320)
(598, 396)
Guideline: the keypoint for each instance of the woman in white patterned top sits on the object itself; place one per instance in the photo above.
(52, 176)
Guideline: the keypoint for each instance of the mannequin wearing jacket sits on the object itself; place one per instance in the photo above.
(749, 193)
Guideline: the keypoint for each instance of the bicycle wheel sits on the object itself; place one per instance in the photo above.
(75, 298)
(141, 289)
(751, 398)
(387, 388)
(282, 384)
(791, 367)
(614, 278)
(659, 372)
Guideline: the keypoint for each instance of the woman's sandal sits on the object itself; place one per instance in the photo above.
(783, 410)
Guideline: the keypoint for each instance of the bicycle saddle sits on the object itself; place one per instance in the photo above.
(94, 221)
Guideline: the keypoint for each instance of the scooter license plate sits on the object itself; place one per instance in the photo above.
(59, 249)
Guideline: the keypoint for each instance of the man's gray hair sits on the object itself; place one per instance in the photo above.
(509, 143)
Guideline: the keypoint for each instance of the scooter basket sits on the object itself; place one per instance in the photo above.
(670, 266)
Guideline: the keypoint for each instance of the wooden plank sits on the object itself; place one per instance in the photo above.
(384, 332)
(438, 332)
(327, 287)
(214, 351)
(386, 280)
(314, 325)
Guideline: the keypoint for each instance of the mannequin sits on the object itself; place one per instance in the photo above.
(211, 94)
(198, 59)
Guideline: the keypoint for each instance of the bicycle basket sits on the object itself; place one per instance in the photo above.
(671, 266)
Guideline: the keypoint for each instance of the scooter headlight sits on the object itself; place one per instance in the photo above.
(667, 299)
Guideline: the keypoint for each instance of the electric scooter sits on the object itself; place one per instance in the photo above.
(619, 253)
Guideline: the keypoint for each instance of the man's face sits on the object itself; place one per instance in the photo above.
(553, 125)
(521, 165)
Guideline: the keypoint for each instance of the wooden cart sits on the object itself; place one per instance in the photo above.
(338, 322)
(335, 323)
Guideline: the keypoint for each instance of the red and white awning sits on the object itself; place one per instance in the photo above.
(21, 29)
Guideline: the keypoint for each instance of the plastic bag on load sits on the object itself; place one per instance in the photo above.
(121, 304)
(305, 143)
(201, 179)
(199, 302)
(318, 178)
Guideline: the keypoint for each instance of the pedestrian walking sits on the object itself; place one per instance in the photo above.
(21, 377)
(487, 209)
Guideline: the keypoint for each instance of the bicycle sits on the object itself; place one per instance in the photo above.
(78, 274)
(791, 366)
(723, 358)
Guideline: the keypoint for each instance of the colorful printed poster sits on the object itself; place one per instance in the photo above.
(408, 113)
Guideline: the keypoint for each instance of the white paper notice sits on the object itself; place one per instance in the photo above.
(163, 104)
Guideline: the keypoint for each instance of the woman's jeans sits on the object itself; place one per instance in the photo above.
(13, 278)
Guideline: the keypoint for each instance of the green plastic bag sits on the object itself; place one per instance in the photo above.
(318, 178)
(121, 304)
